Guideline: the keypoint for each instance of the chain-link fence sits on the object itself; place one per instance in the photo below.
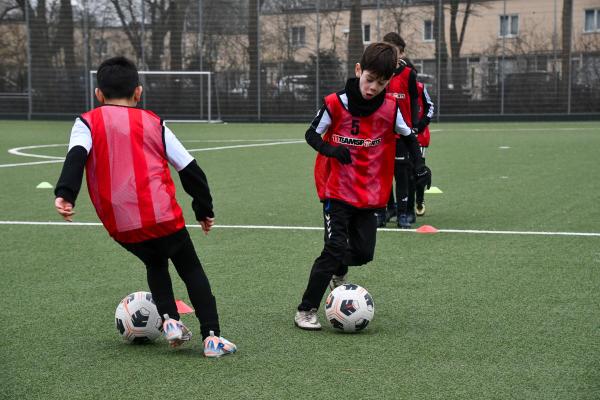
(275, 59)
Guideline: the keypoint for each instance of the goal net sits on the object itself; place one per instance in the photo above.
(177, 96)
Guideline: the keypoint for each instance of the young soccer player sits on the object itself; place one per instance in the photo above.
(426, 110)
(125, 152)
(403, 86)
(354, 134)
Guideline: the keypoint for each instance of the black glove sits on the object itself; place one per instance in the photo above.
(423, 176)
(341, 153)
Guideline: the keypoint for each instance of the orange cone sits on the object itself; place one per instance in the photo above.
(183, 308)
(427, 229)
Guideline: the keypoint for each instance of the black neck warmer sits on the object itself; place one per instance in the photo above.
(358, 105)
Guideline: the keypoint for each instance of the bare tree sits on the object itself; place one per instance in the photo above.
(355, 39)
(399, 13)
(567, 26)
(64, 37)
(456, 40)
(129, 13)
(7, 8)
(131, 24)
(253, 48)
(441, 51)
(331, 20)
(177, 12)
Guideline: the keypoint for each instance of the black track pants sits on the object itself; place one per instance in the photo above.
(349, 240)
(178, 247)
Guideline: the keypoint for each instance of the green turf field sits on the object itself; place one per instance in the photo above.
(462, 314)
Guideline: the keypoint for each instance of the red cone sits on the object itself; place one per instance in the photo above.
(183, 308)
(427, 229)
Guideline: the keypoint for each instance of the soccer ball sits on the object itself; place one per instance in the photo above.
(349, 308)
(137, 318)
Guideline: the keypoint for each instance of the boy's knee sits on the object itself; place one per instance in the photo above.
(357, 258)
(365, 257)
(336, 250)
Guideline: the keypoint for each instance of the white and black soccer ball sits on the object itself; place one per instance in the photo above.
(349, 308)
(137, 319)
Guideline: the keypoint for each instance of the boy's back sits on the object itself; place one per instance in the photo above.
(128, 143)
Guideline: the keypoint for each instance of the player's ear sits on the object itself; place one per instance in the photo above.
(137, 93)
(357, 70)
(99, 95)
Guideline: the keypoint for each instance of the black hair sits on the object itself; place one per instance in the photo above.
(396, 40)
(117, 78)
(380, 59)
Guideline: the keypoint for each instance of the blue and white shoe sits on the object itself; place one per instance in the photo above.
(217, 346)
(175, 331)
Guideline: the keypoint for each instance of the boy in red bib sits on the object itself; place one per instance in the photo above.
(125, 152)
(355, 135)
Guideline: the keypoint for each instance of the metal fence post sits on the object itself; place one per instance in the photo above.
(317, 92)
(502, 58)
(258, 83)
(86, 52)
(143, 36)
(29, 99)
(439, 61)
(200, 58)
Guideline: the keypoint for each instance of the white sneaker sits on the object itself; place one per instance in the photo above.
(337, 281)
(307, 320)
(175, 331)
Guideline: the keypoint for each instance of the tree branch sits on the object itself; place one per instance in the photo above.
(6, 11)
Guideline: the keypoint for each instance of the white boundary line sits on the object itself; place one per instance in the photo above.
(17, 151)
(508, 128)
(318, 228)
(31, 163)
(238, 140)
(239, 146)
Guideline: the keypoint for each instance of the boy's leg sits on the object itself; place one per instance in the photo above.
(410, 203)
(384, 215)
(157, 272)
(420, 193)
(336, 218)
(362, 232)
(391, 202)
(190, 270)
(401, 177)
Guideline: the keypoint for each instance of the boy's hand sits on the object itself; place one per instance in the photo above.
(64, 208)
(342, 154)
(207, 224)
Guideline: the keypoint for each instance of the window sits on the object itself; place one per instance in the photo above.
(427, 30)
(592, 20)
(298, 36)
(509, 25)
(367, 33)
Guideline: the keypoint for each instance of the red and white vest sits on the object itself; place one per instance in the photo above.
(398, 87)
(128, 176)
(423, 137)
(367, 181)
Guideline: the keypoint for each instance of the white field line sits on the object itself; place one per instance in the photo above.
(239, 146)
(238, 140)
(499, 129)
(18, 151)
(319, 228)
(31, 163)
